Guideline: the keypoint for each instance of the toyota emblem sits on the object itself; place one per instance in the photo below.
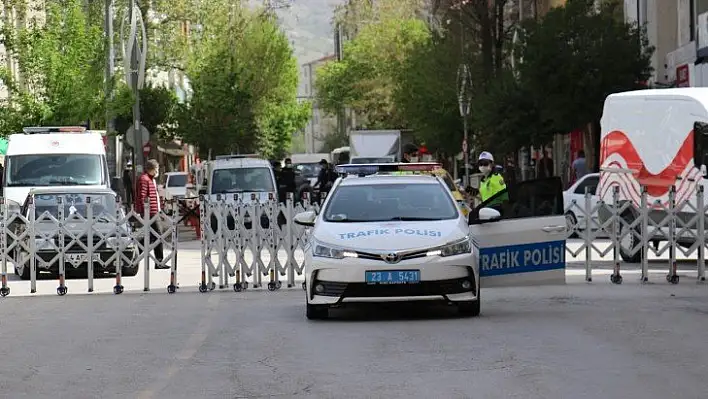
(391, 258)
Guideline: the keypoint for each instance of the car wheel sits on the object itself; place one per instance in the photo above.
(317, 312)
(129, 271)
(470, 308)
(628, 241)
(22, 269)
(571, 223)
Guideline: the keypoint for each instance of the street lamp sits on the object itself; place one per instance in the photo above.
(464, 89)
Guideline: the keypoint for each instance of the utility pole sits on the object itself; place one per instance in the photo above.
(114, 164)
(338, 45)
(134, 46)
(138, 160)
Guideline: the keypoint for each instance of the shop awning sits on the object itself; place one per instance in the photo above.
(171, 149)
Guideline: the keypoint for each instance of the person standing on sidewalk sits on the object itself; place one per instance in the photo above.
(147, 189)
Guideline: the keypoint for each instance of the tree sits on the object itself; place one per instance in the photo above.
(426, 94)
(244, 82)
(158, 107)
(60, 67)
(365, 80)
(574, 57)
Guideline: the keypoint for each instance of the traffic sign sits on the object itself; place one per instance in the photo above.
(146, 149)
(464, 145)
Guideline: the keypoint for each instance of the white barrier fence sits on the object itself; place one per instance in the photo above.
(637, 231)
(249, 244)
(97, 241)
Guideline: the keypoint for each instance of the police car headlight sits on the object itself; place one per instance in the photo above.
(324, 251)
(459, 247)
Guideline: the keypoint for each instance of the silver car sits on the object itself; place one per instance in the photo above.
(108, 228)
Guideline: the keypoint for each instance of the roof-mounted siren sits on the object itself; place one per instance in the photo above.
(53, 129)
(376, 168)
(700, 146)
(236, 156)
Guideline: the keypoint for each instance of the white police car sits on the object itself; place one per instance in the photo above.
(382, 237)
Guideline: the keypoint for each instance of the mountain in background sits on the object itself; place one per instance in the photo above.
(308, 25)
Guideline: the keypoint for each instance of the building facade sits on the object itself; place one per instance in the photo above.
(321, 124)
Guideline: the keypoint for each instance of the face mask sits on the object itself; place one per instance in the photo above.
(485, 169)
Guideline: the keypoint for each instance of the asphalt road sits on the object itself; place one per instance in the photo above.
(575, 341)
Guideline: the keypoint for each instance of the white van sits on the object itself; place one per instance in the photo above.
(53, 156)
(246, 176)
(657, 139)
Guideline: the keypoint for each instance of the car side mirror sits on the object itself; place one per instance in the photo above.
(484, 215)
(306, 218)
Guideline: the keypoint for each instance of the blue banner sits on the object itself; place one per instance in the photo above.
(525, 258)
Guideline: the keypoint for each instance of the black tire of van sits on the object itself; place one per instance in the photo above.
(625, 254)
(230, 223)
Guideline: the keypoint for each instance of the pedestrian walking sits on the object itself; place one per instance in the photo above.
(579, 166)
(147, 190)
(128, 184)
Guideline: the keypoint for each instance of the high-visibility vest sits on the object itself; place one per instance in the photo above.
(491, 185)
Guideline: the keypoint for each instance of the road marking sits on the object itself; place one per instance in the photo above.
(190, 349)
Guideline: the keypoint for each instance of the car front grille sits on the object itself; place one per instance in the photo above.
(380, 257)
(424, 288)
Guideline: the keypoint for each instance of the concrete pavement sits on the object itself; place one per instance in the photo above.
(575, 341)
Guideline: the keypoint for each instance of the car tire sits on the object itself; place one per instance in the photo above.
(129, 271)
(25, 273)
(470, 308)
(571, 224)
(317, 312)
(628, 242)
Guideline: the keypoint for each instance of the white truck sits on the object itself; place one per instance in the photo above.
(54, 156)
(656, 139)
(378, 144)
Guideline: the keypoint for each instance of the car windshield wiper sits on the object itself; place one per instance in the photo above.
(345, 220)
(411, 218)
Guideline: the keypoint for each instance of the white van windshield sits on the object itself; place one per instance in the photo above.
(242, 180)
(39, 170)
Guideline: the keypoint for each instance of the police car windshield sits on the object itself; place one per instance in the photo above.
(242, 180)
(39, 170)
(390, 202)
(74, 205)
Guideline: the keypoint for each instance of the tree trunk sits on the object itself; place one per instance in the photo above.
(591, 144)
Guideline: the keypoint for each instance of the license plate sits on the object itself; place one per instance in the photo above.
(393, 277)
(80, 258)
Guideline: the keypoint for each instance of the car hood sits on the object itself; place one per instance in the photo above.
(19, 194)
(244, 197)
(391, 235)
(77, 228)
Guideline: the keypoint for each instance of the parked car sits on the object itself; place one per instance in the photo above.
(111, 233)
(576, 215)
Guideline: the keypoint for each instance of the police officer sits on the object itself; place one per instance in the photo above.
(492, 181)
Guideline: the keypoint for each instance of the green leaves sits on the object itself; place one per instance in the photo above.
(366, 79)
(244, 81)
(61, 65)
(574, 58)
(158, 110)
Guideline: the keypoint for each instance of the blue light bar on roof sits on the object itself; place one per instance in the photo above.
(374, 168)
